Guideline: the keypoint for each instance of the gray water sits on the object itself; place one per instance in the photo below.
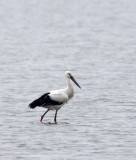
(96, 41)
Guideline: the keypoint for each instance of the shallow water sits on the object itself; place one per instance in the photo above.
(95, 40)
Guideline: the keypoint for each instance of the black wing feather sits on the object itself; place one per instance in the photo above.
(44, 100)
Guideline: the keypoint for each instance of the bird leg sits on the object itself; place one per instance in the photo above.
(43, 115)
(55, 116)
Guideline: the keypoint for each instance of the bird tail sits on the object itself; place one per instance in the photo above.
(34, 104)
(38, 102)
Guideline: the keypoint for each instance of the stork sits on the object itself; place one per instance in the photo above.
(54, 100)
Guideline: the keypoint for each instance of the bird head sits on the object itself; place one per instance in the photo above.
(70, 76)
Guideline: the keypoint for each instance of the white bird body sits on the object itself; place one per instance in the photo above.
(55, 99)
(61, 95)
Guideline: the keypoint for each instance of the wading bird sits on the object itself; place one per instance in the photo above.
(55, 99)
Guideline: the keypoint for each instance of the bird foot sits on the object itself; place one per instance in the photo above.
(55, 121)
(41, 118)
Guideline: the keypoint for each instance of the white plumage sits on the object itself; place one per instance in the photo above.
(59, 96)
(55, 99)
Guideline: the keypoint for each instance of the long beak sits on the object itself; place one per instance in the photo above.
(73, 79)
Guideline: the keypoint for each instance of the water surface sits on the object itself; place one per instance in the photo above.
(95, 40)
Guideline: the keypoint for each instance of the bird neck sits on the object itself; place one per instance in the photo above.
(70, 90)
(69, 85)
